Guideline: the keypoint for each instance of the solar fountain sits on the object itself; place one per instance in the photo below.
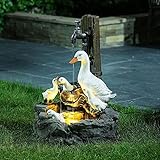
(78, 113)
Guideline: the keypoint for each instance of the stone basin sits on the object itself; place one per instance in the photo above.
(51, 129)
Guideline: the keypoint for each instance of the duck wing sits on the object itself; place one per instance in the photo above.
(95, 101)
(96, 86)
(106, 98)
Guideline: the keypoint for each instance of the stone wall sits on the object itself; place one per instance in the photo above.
(114, 31)
(40, 28)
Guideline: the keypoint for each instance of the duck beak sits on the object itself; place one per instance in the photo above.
(73, 60)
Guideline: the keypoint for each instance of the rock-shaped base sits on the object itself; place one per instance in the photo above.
(102, 128)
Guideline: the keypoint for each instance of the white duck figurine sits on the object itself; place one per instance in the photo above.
(88, 81)
(96, 102)
(51, 93)
(56, 115)
(66, 85)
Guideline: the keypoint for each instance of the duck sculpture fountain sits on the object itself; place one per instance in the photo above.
(73, 113)
(94, 88)
(91, 95)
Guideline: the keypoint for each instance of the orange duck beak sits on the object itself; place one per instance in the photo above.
(73, 60)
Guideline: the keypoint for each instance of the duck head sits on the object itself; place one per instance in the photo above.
(81, 56)
(55, 81)
(61, 81)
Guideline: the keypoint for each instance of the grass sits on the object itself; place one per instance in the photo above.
(138, 129)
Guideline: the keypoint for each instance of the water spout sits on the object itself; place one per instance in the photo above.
(73, 74)
(77, 33)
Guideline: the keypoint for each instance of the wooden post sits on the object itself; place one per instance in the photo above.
(90, 26)
(153, 20)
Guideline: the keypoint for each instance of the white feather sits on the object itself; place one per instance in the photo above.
(56, 115)
(95, 86)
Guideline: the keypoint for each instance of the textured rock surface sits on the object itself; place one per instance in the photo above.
(50, 128)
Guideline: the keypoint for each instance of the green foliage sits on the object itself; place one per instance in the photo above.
(5, 6)
(65, 7)
(48, 6)
(37, 6)
(24, 5)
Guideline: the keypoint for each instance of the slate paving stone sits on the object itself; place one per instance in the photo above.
(132, 72)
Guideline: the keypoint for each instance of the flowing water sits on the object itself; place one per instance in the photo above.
(73, 70)
(73, 74)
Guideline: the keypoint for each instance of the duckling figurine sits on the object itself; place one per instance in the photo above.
(66, 85)
(56, 115)
(92, 86)
(51, 93)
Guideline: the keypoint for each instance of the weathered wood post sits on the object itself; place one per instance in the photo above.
(90, 26)
(153, 21)
(89, 33)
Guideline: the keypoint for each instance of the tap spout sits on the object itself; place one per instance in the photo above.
(77, 33)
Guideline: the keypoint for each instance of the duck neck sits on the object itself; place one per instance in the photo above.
(55, 86)
(68, 86)
(85, 66)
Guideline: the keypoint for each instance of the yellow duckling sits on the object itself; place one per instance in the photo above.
(51, 93)
(66, 85)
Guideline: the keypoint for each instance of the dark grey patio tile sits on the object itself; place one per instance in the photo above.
(132, 72)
